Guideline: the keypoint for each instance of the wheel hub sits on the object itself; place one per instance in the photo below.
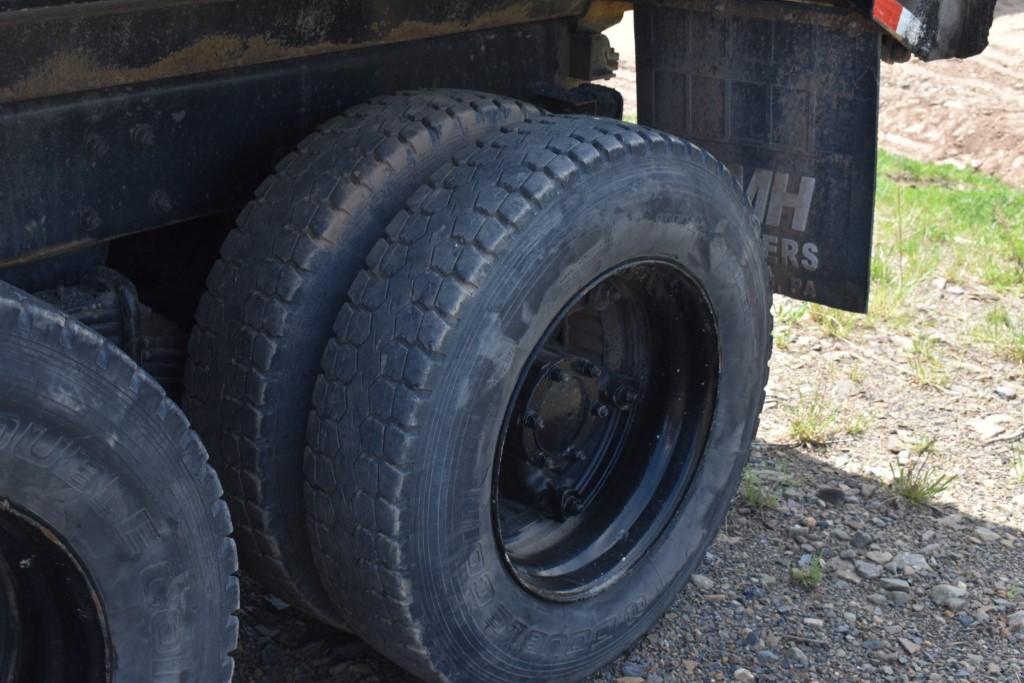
(604, 430)
(570, 403)
(569, 413)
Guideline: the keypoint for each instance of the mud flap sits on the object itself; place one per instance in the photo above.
(786, 96)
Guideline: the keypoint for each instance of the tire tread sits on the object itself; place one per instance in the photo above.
(355, 501)
(230, 372)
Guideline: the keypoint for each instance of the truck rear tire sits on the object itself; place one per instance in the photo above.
(284, 272)
(115, 557)
(535, 413)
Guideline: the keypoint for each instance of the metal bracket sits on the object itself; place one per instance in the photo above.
(591, 57)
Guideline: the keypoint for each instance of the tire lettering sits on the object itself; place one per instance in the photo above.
(165, 592)
(138, 531)
(478, 587)
(166, 628)
(36, 445)
(134, 527)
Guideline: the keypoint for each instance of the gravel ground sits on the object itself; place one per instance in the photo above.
(908, 593)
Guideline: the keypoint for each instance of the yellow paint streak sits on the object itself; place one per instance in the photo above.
(66, 72)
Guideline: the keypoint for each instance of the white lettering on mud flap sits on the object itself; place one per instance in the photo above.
(769, 193)
(781, 206)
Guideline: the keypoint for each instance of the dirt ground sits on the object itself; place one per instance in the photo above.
(965, 112)
(933, 592)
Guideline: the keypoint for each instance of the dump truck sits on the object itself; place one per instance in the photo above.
(382, 302)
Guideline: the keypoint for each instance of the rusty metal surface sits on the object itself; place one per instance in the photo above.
(86, 168)
(602, 14)
(82, 46)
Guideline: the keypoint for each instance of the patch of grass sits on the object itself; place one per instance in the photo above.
(835, 323)
(789, 312)
(1013, 592)
(756, 494)
(1002, 331)
(918, 482)
(928, 368)
(856, 373)
(808, 577)
(934, 218)
(856, 424)
(782, 337)
(889, 305)
(1017, 466)
(926, 444)
(813, 420)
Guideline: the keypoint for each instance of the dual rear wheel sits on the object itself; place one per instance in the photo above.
(532, 352)
(479, 382)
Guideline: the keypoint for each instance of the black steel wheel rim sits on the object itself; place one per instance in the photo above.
(605, 430)
(52, 626)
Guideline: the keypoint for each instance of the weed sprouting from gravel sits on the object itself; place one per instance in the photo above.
(1003, 332)
(813, 419)
(926, 364)
(787, 314)
(926, 444)
(808, 577)
(856, 424)
(782, 338)
(856, 373)
(918, 482)
(756, 494)
(835, 323)
(1017, 466)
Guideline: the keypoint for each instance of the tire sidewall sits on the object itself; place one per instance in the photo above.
(96, 465)
(678, 212)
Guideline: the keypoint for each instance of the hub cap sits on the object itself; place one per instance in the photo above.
(604, 430)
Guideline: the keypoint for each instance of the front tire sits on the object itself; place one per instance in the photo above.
(477, 513)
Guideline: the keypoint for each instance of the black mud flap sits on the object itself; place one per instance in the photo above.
(785, 95)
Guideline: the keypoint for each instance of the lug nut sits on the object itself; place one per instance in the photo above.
(624, 397)
(559, 374)
(590, 369)
(533, 421)
(601, 410)
(572, 503)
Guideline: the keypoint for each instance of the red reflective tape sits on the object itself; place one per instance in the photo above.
(887, 13)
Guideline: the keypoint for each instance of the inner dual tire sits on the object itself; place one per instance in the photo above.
(538, 402)
(115, 560)
(272, 297)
